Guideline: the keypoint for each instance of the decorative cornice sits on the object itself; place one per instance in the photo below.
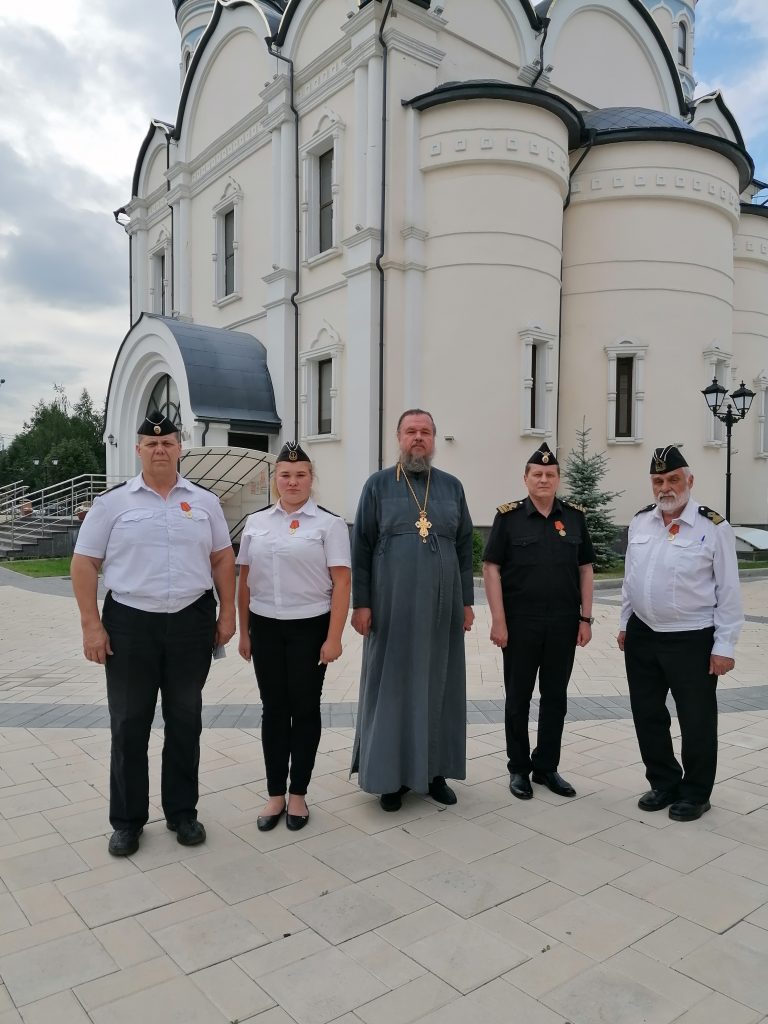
(489, 89)
(413, 232)
(496, 145)
(655, 183)
(415, 48)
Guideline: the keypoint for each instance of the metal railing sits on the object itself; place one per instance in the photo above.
(27, 517)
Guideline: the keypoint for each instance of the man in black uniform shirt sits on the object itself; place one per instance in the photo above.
(538, 574)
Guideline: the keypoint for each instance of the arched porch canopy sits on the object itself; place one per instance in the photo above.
(221, 376)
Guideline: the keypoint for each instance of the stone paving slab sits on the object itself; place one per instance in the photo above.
(547, 911)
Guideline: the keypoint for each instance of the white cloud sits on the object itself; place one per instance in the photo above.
(79, 82)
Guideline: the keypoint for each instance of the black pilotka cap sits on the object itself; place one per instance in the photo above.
(156, 425)
(664, 460)
(293, 452)
(543, 457)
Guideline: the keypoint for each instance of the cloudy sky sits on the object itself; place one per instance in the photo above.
(79, 82)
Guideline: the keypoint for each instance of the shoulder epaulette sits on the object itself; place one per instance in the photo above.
(324, 509)
(708, 513)
(110, 489)
(509, 506)
(648, 508)
(572, 504)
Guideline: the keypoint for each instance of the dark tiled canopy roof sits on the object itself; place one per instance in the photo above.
(623, 118)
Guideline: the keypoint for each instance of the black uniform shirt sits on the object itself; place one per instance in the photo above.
(539, 557)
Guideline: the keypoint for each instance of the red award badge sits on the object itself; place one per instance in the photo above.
(673, 531)
(560, 527)
(186, 508)
(294, 525)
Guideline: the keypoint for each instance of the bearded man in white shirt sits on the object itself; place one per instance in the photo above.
(680, 619)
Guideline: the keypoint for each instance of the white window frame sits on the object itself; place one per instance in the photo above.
(329, 135)
(717, 363)
(760, 385)
(231, 202)
(543, 342)
(159, 280)
(686, 26)
(327, 345)
(626, 348)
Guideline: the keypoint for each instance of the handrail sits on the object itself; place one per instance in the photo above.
(28, 516)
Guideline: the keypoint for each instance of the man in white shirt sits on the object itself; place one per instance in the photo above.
(680, 619)
(163, 543)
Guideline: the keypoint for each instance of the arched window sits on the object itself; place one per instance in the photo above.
(682, 44)
(165, 399)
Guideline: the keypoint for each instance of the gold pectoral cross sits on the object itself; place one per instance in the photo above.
(423, 525)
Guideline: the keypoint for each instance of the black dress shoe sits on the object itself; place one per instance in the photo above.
(266, 822)
(554, 782)
(439, 790)
(124, 841)
(685, 810)
(189, 831)
(296, 822)
(393, 801)
(520, 786)
(656, 800)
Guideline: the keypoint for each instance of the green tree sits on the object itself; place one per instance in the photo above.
(59, 441)
(583, 474)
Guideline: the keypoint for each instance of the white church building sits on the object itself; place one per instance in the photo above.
(516, 217)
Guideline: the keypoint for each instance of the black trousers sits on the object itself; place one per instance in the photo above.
(658, 663)
(285, 657)
(547, 647)
(156, 652)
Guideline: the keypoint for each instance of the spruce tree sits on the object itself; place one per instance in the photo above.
(583, 473)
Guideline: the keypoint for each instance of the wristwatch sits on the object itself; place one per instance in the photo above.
(586, 618)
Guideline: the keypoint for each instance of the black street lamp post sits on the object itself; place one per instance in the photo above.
(715, 396)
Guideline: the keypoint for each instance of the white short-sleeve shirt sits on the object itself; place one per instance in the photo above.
(156, 551)
(683, 576)
(288, 555)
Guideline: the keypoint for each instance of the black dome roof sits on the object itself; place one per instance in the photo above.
(616, 119)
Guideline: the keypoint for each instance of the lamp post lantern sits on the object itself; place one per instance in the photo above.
(715, 396)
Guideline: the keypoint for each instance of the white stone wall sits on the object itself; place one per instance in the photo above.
(475, 240)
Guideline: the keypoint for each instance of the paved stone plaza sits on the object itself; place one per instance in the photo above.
(585, 911)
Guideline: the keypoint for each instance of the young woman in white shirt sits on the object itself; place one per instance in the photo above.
(293, 600)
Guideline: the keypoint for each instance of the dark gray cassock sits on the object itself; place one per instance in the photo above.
(411, 721)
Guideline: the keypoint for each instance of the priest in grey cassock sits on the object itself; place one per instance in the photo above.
(412, 595)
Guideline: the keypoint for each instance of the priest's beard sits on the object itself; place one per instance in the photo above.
(415, 463)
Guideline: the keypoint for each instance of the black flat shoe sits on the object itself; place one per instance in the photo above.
(266, 822)
(393, 801)
(685, 810)
(440, 790)
(656, 800)
(554, 782)
(189, 831)
(520, 786)
(124, 841)
(296, 822)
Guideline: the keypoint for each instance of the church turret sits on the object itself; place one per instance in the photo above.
(676, 19)
(192, 16)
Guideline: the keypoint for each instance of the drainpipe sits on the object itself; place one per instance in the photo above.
(205, 432)
(297, 267)
(383, 225)
(117, 214)
(589, 144)
(544, 30)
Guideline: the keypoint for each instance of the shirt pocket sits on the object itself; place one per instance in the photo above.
(689, 554)
(524, 551)
(566, 551)
(128, 520)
